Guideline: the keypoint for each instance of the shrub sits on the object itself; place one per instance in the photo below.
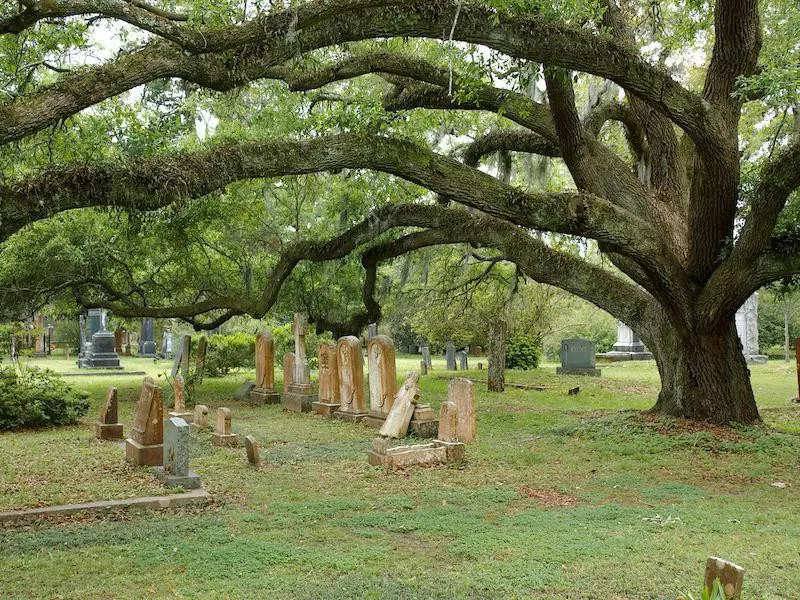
(522, 353)
(35, 398)
(225, 353)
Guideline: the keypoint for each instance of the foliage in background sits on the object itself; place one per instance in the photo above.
(36, 398)
(523, 353)
(228, 352)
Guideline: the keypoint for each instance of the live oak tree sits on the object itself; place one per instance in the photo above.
(690, 217)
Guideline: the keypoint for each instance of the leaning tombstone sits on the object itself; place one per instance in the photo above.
(288, 371)
(223, 434)
(175, 471)
(199, 418)
(252, 447)
(351, 380)
(399, 418)
(463, 364)
(578, 358)
(146, 444)
(300, 395)
(450, 356)
(264, 391)
(107, 427)
(179, 399)
(457, 419)
(200, 360)
(328, 402)
(382, 379)
(730, 576)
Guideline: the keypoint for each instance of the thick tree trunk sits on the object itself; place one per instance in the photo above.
(497, 356)
(704, 377)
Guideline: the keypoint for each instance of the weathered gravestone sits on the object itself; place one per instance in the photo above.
(200, 418)
(457, 419)
(175, 471)
(372, 330)
(253, 453)
(424, 423)
(399, 418)
(382, 379)
(578, 358)
(300, 395)
(351, 380)
(223, 433)
(747, 330)
(147, 339)
(730, 575)
(463, 363)
(179, 399)
(200, 360)
(107, 427)
(288, 371)
(423, 368)
(402, 457)
(328, 402)
(264, 391)
(146, 444)
(186, 349)
(450, 356)
(426, 356)
(167, 344)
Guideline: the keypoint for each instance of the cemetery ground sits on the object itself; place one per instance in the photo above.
(561, 496)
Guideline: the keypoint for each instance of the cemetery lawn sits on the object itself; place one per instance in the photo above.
(561, 497)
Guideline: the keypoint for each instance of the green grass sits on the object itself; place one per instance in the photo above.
(652, 499)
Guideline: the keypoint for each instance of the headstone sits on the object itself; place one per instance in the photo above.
(200, 418)
(146, 444)
(101, 353)
(264, 391)
(179, 399)
(175, 471)
(328, 402)
(423, 368)
(288, 371)
(186, 349)
(107, 427)
(372, 330)
(177, 360)
(200, 360)
(147, 339)
(119, 340)
(627, 347)
(167, 345)
(403, 457)
(730, 575)
(301, 395)
(382, 379)
(424, 423)
(457, 419)
(747, 330)
(463, 363)
(450, 356)
(426, 356)
(578, 358)
(351, 380)
(399, 418)
(223, 434)
(253, 454)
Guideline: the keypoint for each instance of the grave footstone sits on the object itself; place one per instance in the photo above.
(253, 453)
(175, 470)
(223, 433)
(351, 380)
(730, 575)
(578, 358)
(301, 394)
(399, 418)
(382, 379)
(450, 356)
(146, 444)
(264, 390)
(328, 402)
(200, 418)
(107, 427)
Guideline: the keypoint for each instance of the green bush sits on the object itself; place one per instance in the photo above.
(225, 353)
(35, 398)
(522, 353)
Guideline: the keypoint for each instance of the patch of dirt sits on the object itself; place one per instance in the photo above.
(681, 426)
(548, 497)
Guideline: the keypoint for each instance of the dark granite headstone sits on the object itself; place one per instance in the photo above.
(578, 358)
(147, 340)
(450, 356)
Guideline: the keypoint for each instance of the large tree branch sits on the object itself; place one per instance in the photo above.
(509, 140)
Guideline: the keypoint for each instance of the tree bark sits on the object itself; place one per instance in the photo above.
(497, 356)
(704, 377)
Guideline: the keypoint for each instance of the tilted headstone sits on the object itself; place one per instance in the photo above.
(457, 419)
(107, 427)
(200, 418)
(301, 395)
(288, 371)
(200, 360)
(730, 575)
(463, 363)
(252, 447)
(175, 471)
(223, 434)
(396, 424)
(450, 356)
(264, 391)
(578, 358)
(382, 379)
(351, 379)
(426, 356)
(146, 443)
(328, 401)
